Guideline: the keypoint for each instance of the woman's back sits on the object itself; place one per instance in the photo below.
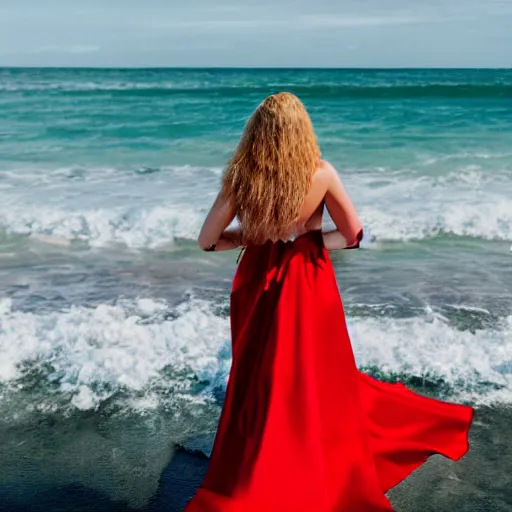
(276, 183)
(325, 188)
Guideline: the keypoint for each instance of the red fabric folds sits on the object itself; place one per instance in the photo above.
(302, 430)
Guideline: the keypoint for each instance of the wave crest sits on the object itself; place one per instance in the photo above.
(146, 352)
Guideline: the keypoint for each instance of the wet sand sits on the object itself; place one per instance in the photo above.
(480, 482)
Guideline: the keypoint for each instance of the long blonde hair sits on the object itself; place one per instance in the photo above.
(270, 172)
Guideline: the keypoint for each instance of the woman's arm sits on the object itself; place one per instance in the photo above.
(334, 240)
(214, 236)
(349, 230)
(230, 239)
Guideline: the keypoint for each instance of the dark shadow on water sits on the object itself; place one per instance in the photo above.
(178, 484)
(179, 481)
(71, 498)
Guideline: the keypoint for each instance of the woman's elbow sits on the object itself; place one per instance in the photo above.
(205, 244)
(356, 229)
(202, 245)
(358, 232)
(355, 237)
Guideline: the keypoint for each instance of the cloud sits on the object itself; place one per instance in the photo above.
(70, 50)
(291, 23)
(217, 25)
(335, 20)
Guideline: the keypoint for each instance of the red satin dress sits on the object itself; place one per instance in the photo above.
(302, 430)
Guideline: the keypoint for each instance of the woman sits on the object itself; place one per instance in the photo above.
(302, 430)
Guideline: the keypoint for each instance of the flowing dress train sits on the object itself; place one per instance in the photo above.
(302, 430)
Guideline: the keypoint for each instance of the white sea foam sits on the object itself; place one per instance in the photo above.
(137, 346)
(429, 347)
(76, 86)
(461, 203)
(144, 228)
(37, 176)
(154, 226)
(138, 208)
(489, 220)
(91, 353)
(147, 209)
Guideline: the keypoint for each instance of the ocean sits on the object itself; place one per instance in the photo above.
(114, 326)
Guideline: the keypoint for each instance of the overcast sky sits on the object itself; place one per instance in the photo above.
(354, 33)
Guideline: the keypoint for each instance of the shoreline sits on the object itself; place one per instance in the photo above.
(479, 482)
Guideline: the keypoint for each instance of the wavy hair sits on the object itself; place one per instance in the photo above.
(270, 172)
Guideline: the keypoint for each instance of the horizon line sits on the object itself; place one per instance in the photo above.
(264, 68)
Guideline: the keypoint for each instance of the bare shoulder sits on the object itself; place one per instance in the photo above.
(320, 183)
(324, 175)
(326, 171)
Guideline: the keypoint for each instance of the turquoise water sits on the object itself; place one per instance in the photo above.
(111, 316)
